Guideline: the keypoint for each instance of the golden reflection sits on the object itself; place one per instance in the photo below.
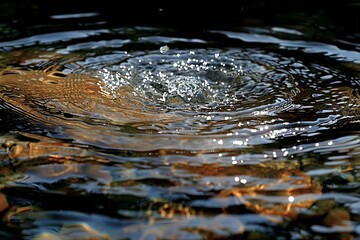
(74, 231)
(51, 158)
(43, 96)
(163, 209)
(57, 170)
(16, 210)
(270, 188)
(38, 146)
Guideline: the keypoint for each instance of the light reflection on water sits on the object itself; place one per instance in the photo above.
(263, 140)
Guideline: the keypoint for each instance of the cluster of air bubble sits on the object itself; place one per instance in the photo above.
(179, 77)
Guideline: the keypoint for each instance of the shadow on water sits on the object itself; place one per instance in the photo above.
(179, 121)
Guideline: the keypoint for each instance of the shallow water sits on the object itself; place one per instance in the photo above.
(112, 130)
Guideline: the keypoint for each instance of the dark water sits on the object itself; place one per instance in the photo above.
(223, 122)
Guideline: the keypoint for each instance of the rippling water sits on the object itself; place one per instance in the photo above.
(144, 132)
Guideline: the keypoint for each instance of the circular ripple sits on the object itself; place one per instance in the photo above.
(203, 79)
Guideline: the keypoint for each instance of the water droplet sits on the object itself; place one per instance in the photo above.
(164, 49)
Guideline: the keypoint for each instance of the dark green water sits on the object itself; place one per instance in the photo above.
(219, 122)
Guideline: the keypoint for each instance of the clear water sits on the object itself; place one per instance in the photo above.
(262, 139)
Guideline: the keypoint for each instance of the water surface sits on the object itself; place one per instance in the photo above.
(151, 131)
